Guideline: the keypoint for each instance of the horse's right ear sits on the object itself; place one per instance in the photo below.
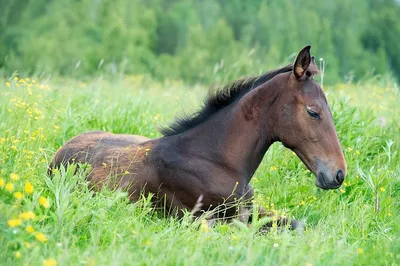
(302, 62)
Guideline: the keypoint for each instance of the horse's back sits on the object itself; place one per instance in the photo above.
(91, 147)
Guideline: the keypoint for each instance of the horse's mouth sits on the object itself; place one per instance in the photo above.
(320, 177)
(321, 183)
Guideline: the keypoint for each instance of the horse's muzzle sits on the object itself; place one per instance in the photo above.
(323, 181)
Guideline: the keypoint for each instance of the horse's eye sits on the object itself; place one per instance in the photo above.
(313, 114)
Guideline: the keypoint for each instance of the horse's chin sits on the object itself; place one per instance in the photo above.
(321, 183)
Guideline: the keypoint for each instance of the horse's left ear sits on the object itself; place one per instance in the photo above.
(301, 67)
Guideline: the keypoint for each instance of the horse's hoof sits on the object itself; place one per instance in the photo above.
(298, 226)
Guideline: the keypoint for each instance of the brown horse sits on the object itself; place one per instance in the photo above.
(212, 154)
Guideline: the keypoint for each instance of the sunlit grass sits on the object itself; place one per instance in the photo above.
(60, 221)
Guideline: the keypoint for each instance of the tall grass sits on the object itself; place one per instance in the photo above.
(60, 221)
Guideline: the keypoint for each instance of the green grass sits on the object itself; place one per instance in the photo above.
(355, 225)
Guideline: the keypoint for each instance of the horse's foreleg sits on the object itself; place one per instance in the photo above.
(279, 221)
(245, 215)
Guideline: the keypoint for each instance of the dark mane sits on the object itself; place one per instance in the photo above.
(215, 101)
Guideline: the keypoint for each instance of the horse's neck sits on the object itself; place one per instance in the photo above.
(251, 131)
(236, 136)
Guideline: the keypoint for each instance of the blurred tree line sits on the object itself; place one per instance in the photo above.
(197, 40)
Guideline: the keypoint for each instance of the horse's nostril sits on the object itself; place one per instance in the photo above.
(340, 176)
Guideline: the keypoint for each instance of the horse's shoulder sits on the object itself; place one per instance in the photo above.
(165, 153)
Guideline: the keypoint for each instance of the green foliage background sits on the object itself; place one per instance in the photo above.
(196, 41)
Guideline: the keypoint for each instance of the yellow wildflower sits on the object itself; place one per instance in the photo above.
(273, 168)
(8, 84)
(18, 254)
(2, 182)
(349, 149)
(14, 176)
(41, 237)
(29, 215)
(16, 78)
(30, 229)
(302, 202)
(389, 214)
(9, 186)
(204, 226)
(382, 189)
(342, 190)
(358, 152)
(50, 262)
(360, 251)
(14, 222)
(27, 244)
(44, 202)
(28, 187)
(22, 80)
(18, 195)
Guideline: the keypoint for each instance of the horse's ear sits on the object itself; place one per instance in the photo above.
(302, 62)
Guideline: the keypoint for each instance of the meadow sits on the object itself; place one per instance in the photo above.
(59, 221)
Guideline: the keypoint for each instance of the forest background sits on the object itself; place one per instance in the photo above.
(197, 41)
